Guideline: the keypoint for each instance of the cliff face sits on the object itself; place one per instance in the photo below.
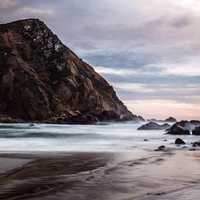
(42, 80)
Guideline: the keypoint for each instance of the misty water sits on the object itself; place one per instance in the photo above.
(109, 137)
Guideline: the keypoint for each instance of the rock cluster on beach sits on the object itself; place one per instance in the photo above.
(44, 81)
(185, 128)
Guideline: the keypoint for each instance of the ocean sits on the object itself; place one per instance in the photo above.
(105, 137)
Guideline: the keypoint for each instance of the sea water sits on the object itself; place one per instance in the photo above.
(109, 137)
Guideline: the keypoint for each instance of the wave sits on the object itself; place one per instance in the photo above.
(44, 135)
(17, 127)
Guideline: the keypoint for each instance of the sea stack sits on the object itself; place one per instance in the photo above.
(41, 80)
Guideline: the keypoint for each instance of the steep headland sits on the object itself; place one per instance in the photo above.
(44, 81)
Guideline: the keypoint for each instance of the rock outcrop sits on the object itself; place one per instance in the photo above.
(154, 126)
(170, 119)
(184, 128)
(177, 129)
(44, 81)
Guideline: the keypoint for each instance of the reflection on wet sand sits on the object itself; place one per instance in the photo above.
(99, 176)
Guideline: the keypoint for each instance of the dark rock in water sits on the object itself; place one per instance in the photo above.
(195, 122)
(161, 148)
(179, 141)
(153, 126)
(170, 119)
(196, 131)
(196, 144)
(41, 80)
(146, 140)
(192, 149)
(184, 128)
(177, 129)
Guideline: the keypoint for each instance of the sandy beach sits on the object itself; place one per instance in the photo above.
(121, 176)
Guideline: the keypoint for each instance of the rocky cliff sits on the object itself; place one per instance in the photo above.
(42, 80)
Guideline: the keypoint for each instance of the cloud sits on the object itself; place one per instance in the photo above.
(34, 12)
(161, 91)
(113, 71)
(5, 4)
(12, 10)
(148, 51)
(183, 70)
(162, 109)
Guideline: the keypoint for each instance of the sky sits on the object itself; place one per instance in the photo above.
(148, 50)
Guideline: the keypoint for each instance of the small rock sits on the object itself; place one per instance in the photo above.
(161, 148)
(192, 149)
(196, 144)
(179, 141)
(146, 140)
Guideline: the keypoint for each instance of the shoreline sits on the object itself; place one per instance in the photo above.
(154, 175)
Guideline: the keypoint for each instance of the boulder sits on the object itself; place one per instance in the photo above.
(170, 119)
(177, 129)
(161, 148)
(153, 126)
(196, 131)
(195, 122)
(179, 141)
(185, 128)
(196, 144)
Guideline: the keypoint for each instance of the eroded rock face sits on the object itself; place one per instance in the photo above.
(42, 80)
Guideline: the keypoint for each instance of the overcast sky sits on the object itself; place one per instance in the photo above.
(147, 49)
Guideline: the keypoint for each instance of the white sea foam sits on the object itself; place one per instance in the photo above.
(112, 137)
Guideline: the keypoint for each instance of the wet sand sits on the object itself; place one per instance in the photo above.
(101, 176)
